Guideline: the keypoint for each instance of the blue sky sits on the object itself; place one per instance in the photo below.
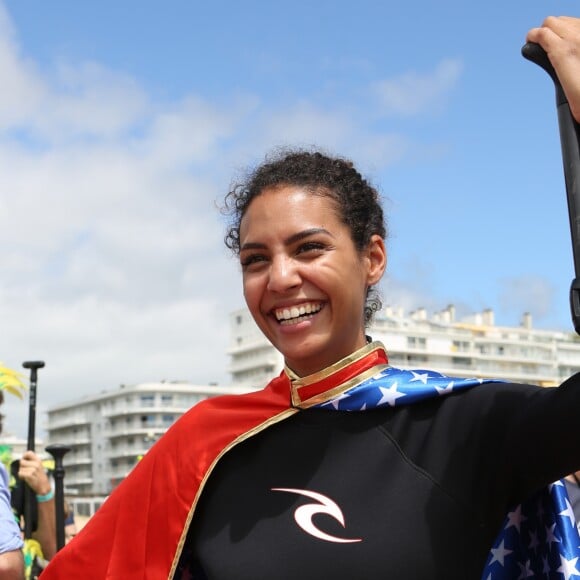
(122, 123)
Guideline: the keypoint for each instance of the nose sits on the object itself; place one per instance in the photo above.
(284, 274)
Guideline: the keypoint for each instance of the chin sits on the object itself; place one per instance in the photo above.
(316, 359)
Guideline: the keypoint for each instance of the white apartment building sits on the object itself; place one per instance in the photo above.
(471, 347)
(107, 433)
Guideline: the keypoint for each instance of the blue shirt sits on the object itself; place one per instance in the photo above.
(10, 536)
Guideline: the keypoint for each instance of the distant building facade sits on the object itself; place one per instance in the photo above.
(109, 432)
(470, 347)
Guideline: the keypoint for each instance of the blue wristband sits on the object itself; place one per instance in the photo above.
(46, 497)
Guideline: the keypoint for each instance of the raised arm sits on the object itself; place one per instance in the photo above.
(33, 473)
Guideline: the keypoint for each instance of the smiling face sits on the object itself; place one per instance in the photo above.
(304, 281)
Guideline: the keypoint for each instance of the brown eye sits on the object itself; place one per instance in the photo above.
(310, 247)
(252, 259)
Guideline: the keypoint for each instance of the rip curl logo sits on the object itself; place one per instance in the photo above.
(303, 514)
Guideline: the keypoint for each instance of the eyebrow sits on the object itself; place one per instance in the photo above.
(289, 240)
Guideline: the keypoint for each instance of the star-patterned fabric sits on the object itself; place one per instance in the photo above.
(539, 538)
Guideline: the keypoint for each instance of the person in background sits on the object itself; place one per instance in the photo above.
(70, 526)
(11, 559)
(42, 545)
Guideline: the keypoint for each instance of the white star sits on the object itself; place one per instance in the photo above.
(525, 571)
(336, 400)
(419, 377)
(551, 536)
(568, 567)
(568, 513)
(515, 518)
(499, 554)
(380, 375)
(445, 390)
(363, 408)
(390, 395)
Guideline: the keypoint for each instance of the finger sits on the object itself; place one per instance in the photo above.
(30, 455)
(545, 37)
(552, 23)
(563, 26)
(554, 27)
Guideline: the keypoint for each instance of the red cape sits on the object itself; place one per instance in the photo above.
(138, 533)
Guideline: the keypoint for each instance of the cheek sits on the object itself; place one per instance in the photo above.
(251, 291)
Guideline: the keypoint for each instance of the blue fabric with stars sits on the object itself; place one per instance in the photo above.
(539, 538)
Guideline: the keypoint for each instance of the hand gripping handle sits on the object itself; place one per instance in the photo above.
(570, 143)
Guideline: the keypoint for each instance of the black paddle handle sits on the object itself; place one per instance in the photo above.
(570, 143)
(29, 497)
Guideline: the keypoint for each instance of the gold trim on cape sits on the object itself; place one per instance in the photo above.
(298, 382)
(332, 393)
(246, 435)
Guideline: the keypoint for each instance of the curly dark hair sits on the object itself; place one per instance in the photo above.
(358, 202)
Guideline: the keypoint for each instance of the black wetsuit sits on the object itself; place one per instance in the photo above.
(423, 489)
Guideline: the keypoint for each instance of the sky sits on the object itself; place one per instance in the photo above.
(123, 124)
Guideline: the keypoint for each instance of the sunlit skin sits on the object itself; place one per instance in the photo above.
(296, 253)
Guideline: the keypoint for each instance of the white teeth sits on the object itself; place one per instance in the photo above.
(297, 311)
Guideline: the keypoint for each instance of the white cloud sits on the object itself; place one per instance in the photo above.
(530, 293)
(113, 265)
(412, 93)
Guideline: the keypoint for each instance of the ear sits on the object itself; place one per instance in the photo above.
(376, 254)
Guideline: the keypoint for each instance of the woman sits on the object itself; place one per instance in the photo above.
(342, 467)
(294, 487)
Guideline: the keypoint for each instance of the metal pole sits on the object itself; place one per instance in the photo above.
(58, 451)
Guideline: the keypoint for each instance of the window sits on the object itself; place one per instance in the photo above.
(147, 400)
(461, 361)
(460, 346)
(416, 342)
(416, 358)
